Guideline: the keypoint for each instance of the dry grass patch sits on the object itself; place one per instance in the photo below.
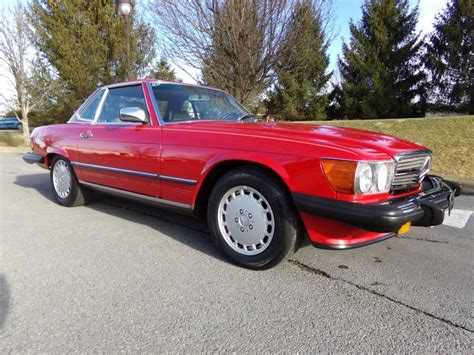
(10, 138)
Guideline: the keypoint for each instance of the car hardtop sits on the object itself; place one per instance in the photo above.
(156, 81)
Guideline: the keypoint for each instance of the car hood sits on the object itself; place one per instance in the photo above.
(347, 138)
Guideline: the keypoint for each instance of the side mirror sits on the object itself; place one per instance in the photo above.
(133, 114)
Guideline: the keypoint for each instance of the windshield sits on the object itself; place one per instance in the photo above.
(187, 103)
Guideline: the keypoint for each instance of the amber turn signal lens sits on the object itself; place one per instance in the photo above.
(340, 174)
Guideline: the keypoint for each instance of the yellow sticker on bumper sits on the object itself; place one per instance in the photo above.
(405, 228)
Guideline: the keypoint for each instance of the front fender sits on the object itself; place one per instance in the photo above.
(300, 174)
(267, 161)
(51, 151)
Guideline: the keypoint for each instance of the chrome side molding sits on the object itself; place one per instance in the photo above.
(176, 179)
(115, 170)
(137, 173)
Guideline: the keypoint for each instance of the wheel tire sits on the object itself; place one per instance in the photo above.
(76, 194)
(223, 211)
(19, 126)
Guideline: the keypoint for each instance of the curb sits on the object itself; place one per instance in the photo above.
(467, 189)
(467, 184)
(14, 149)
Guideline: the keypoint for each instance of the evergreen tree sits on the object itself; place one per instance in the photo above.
(163, 71)
(336, 107)
(450, 58)
(381, 66)
(82, 43)
(301, 71)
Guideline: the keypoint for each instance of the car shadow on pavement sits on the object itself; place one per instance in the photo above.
(196, 235)
(39, 182)
(125, 209)
(4, 300)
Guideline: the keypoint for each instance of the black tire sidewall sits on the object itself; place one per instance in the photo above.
(285, 233)
(71, 198)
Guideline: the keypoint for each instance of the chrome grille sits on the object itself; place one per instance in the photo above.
(408, 170)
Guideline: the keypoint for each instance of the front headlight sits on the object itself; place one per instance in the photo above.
(383, 177)
(363, 177)
(374, 176)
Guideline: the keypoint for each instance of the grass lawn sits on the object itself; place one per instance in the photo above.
(11, 138)
(450, 138)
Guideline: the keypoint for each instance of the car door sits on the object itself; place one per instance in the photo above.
(119, 154)
(6, 123)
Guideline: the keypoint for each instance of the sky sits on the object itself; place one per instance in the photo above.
(344, 11)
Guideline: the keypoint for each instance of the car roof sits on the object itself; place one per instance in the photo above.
(154, 81)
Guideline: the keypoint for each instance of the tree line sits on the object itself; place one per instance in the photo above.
(270, 54)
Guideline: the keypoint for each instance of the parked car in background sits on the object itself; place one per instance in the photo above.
(263, 186)
(10, 123)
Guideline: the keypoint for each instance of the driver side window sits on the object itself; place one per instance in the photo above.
(117, 98)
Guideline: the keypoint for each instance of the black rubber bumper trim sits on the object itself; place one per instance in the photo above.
(423, 209)
(353, 246)
(33, 158)
(374, 217)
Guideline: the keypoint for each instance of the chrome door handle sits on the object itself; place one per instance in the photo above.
(85, 135)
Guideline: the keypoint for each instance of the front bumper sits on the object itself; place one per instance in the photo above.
(33, 158)
(426, 208)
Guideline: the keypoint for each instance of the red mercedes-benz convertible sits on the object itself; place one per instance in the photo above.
(261, 185)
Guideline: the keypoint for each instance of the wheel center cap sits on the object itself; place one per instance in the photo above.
(243, 221)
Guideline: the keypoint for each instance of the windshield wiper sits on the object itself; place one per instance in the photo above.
(245, 116)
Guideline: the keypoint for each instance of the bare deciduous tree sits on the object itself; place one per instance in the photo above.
(236, 43)
(14, 45)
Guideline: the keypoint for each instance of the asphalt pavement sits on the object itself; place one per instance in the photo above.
(116, 276)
